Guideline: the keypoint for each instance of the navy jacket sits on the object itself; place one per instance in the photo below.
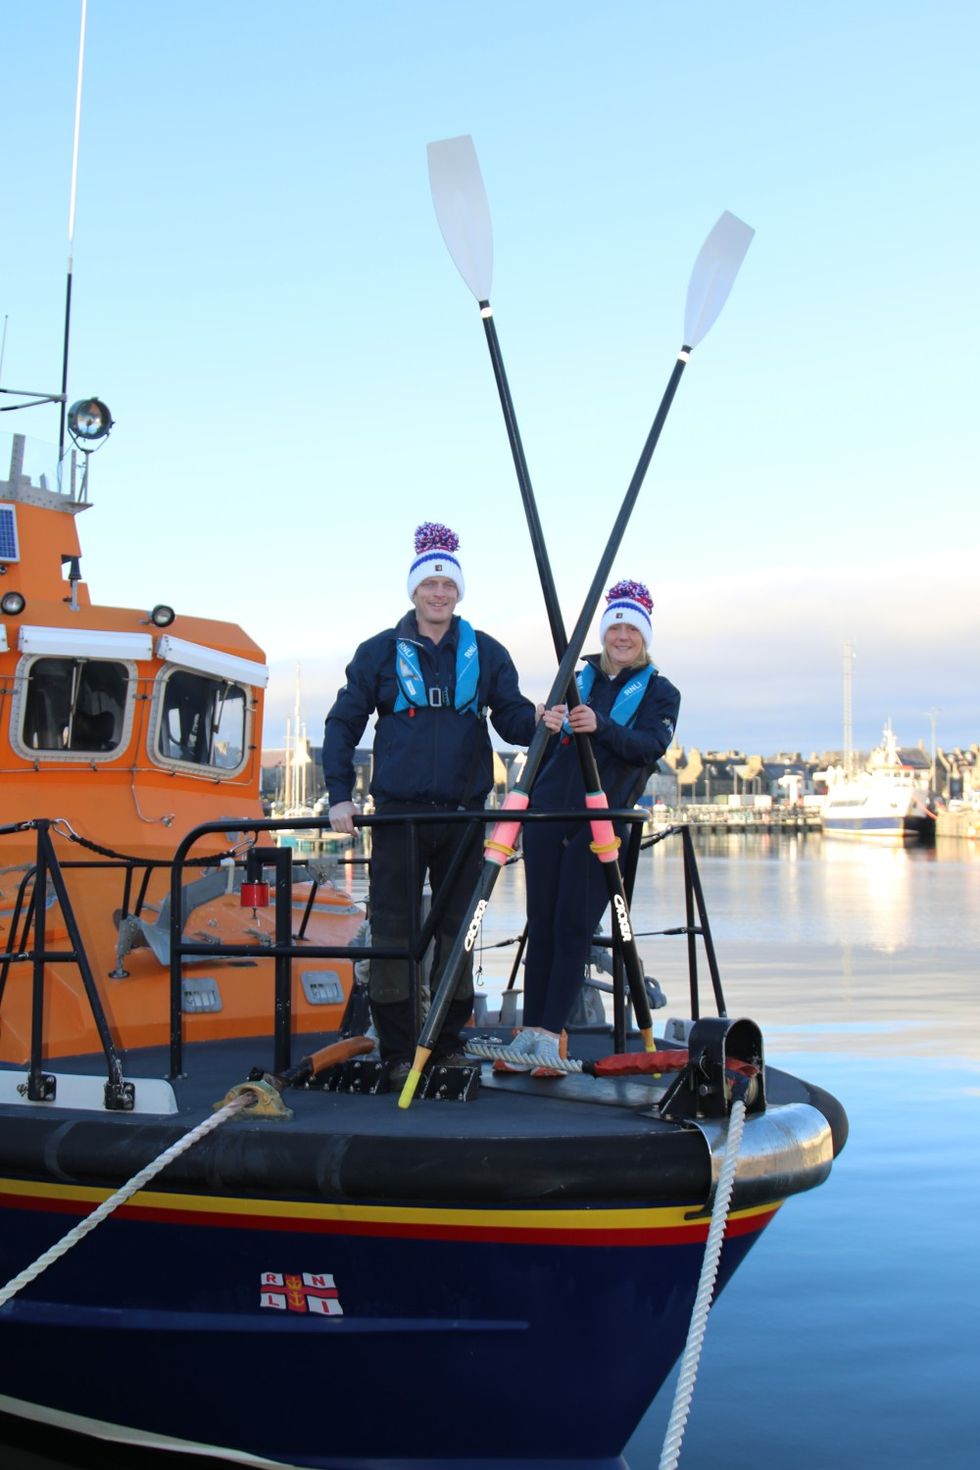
(625, 755)
(423, 756)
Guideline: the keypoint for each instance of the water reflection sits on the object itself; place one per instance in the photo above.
(830, 946)
(870, 888)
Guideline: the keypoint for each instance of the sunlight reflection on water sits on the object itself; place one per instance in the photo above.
(818, 941)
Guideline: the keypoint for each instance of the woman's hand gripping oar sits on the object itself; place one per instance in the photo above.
(463, 212)
(711, 281)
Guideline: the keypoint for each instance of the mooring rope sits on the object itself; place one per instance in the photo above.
(673, 1439)
(105, 1209)
(670, 1454)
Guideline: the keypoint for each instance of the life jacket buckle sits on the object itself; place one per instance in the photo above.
(438, 698)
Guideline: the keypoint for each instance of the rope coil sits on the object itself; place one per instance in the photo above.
(492, 1051)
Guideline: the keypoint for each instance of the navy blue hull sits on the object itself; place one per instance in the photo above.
(467, 1344)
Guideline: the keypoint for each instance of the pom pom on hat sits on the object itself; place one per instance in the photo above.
(628, 602)
(435, 556)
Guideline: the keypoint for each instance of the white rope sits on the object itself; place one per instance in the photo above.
(105, 1209)
(492, 1051)
(671, 1452)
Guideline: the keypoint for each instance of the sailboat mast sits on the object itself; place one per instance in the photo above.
(848, 710)
(299, 776)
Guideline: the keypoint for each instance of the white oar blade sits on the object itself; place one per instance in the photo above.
(714, 274)
(462, 210)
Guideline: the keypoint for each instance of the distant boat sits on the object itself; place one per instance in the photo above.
(889, 801)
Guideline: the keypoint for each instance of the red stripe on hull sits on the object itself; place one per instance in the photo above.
(487, 1234)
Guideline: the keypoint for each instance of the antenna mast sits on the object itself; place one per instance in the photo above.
(71, 233)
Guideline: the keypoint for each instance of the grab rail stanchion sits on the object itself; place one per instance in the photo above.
(18, 937)
(634, 839)
(282, 860)
(695, 893)
(118, 1094)
(39, 1086)
(687, 848)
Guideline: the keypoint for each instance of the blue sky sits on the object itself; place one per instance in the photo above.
(299, 376)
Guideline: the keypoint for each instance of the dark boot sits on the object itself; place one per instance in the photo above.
(394, 1022)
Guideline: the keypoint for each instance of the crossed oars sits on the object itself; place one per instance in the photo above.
(467, 219)
(464, 217)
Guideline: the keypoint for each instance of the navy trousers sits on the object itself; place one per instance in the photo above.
(566, 898)
(451, 857)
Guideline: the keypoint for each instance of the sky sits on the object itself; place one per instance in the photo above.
(299, 376)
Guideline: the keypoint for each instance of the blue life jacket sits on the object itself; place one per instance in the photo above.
(412, 692)
(627, 701)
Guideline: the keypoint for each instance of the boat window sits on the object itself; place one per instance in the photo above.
(202, 721)
(75, 704)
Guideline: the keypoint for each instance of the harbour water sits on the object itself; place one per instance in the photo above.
(851, 1335)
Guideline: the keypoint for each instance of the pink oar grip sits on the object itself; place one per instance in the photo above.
(605, 843)
(499, 846)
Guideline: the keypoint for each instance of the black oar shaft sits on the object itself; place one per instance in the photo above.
(586, 755)
(470, 927)
(573, 651)
(524, 481)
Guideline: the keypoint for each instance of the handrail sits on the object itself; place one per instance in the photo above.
(284, 949)
(40, 1085)
(287, 947)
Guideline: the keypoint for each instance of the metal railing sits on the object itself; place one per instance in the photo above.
(420, 933)
(47, 874)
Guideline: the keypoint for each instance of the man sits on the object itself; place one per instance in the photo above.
(431, 680)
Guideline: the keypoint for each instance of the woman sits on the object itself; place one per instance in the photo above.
(628, 711)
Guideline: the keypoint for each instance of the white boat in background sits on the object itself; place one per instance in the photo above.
(888, 801)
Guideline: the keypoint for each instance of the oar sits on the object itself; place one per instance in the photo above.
(463, 213)
(712, 278)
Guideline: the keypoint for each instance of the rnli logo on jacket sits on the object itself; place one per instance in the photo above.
(306, 1293)
(405, 672)
(631, 688)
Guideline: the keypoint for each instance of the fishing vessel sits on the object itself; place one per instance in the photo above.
(889, 801)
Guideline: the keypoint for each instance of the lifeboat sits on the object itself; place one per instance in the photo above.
(124, 728)
(218, 1227)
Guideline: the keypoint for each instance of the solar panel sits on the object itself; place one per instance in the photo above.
(8, 534)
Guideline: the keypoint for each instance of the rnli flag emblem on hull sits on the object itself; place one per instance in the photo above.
(308, 1292)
